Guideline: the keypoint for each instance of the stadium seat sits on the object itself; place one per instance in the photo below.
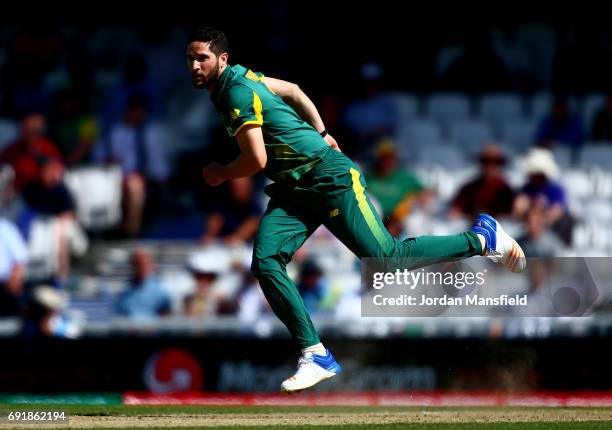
(500, 108)
(447, 107)
(591, 237)
(590, 105)
(97, 193)
(602, 181)
(471, 135)
(444, 154)
(518, 134)
(406, 105)
(417, 134)
(563, 156)
(577, 183)
(43, 248)
(539, 106)
(596, 154)
(9, 130)
(597, 210)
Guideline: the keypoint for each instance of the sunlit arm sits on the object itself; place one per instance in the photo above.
(252, 158)
(293, 95)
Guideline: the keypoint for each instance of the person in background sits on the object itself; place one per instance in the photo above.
(394, 188)
(146, 296)
(313, 286)
(13, 260)
(538, 240)
(601, 129)
(234, 219)
(48, 195)
(25, 153)
(560, 126)
(543, 191)
(489, 192)
(137, 146)
(205, 267)
(44, 315)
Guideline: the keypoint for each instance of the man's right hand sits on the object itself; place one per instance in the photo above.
(213, 174)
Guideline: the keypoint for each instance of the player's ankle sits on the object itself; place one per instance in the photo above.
(318, 349)
(483, 242)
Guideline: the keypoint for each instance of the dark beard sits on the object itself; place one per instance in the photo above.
(208, 83)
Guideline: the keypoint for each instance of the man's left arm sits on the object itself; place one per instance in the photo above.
(252, 158)
(293, 95)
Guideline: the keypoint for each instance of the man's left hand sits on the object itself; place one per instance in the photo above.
(332, 142)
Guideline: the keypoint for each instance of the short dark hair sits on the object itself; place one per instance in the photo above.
(216, 38)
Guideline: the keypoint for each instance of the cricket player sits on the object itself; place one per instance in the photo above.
(280, 131)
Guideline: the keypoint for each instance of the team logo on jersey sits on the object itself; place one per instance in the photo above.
(235, 113)
(334, 212)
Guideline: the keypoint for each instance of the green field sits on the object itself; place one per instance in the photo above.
(319, 417)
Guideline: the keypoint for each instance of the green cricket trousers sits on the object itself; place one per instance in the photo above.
(332, 194)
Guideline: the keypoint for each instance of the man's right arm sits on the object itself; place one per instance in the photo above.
(293, 95)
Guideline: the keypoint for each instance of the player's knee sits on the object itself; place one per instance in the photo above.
(262, 266)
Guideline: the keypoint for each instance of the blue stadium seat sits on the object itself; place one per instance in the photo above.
(501, 107)
(539, 106)
(9, 130)
(444, 154)
(597, 154)
(417, 134)
(447, 107)
(519, 134)
(590, 105)
(406, 105)
(471, 135)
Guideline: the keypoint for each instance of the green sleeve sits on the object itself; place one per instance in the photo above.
(244, 107)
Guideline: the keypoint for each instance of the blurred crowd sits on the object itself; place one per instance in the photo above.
(98, 146)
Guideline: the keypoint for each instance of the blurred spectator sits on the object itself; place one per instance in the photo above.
(13, 259)
(371, 116)
(235, 216)
(73, 127)
(489, 192)
(538, 240)
(542, 191)
(146, 297)
(601, 129)
(560, 126)
(30, 56)
(136, 83)
(206, 267)
(44, 317)
(251, 300)
(137, 146)
(394, 188)
(23, 155)
(48, 195)
(313, 286)
(11, 203)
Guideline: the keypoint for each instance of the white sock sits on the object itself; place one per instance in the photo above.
(318, 349)
(483, 242)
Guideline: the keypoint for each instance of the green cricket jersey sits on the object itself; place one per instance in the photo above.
(293, 146)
